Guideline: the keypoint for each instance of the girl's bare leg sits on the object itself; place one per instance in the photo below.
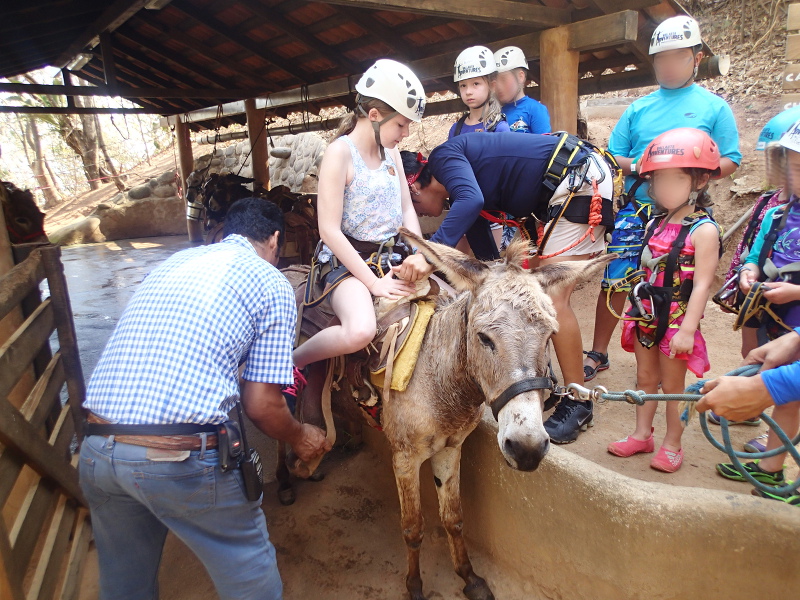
(673, 381)
(352, 304)
(787, 416)
(648, 376)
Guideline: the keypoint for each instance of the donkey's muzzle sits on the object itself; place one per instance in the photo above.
(525, 454)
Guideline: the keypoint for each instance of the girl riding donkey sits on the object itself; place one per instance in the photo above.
(363, 201)
(671, 290)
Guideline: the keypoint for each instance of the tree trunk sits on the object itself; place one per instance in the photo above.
(102, 143)
(51, 196)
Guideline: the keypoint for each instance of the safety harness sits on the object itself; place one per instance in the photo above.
(460, 124)
(673, 289)
(753, 309)
(571, 158)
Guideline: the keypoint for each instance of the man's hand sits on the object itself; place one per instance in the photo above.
(779, 352)
(735, 398)
(413, 269)
(311, 443)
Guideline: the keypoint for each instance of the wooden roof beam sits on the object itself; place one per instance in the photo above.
(239, 38)
(76, 110)
(296, 32)
(115, 15)
(94, 73)
(601, 32)
(215, 58)
(172, 57)
(133, 92)
(488, 11)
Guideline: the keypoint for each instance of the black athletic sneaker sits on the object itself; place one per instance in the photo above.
(569, 419)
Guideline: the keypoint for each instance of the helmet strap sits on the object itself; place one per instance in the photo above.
(376, 127)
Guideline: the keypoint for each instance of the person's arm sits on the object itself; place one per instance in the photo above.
(455, 173)
(620, 144)
(740, 398)
(265, 406)
(413, 268)
(330, 205)
(750, 271)
(705, 239)
(268, 367)
(540, 121)
(726, 135)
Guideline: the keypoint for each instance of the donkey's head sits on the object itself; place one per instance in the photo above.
(24, 220)
(509, 318)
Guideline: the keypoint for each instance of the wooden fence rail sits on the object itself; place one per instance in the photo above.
(44, 521)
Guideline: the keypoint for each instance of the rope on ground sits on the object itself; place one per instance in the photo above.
(686, 408)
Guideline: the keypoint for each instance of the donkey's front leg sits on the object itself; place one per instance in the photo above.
(406, 473)
(447, 472)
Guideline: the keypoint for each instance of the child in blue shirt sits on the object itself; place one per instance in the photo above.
(474, 74)
(676, 47)
(523, 113)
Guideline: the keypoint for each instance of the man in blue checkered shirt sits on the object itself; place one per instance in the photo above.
(174, 358)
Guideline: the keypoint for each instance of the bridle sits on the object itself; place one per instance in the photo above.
(515, 389)
(520, 387)
(20, 236)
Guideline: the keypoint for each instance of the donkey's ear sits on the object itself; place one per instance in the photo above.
(462, 272)
(558, 275)
(518, 252)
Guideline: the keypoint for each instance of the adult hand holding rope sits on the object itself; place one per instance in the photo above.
(737, 398)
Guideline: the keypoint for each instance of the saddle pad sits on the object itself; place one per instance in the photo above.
(406, 358)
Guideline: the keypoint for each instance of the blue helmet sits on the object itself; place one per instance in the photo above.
(777, 126)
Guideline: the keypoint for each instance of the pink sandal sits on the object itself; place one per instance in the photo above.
(667, 461)
(628, 446)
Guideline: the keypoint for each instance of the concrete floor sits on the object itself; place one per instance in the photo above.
(341, 539)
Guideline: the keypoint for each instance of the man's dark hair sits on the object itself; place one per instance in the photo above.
(255, 218)
(411, 165)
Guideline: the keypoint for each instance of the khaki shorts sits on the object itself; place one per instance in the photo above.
(566, 232)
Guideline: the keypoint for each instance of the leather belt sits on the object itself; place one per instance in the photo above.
(163, 442)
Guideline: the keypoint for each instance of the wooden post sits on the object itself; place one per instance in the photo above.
(559, 70)
(257, 135)
(186, 161)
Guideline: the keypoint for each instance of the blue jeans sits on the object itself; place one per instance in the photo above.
(135, 501)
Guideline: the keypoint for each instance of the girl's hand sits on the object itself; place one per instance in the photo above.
(781, 292)
(414, 268)
(746, 280)
(682, 343)
(391, 288)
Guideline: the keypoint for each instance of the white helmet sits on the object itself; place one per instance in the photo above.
(476, 61)
(674, 33)
(397, 85)
(791, 139)
(509, 58)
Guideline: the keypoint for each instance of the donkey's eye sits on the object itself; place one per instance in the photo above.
(22, 221)
(486, 341)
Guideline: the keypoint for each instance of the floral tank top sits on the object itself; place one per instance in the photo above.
(372, 210)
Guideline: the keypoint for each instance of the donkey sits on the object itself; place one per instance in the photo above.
(24, 220)
(485, 345)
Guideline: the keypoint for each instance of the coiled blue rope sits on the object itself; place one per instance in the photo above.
(692, 395)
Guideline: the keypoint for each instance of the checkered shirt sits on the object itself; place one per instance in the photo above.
(174, 356)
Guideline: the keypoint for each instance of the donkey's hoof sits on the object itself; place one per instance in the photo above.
(478, 590)
(287, 496)
(317, 476)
